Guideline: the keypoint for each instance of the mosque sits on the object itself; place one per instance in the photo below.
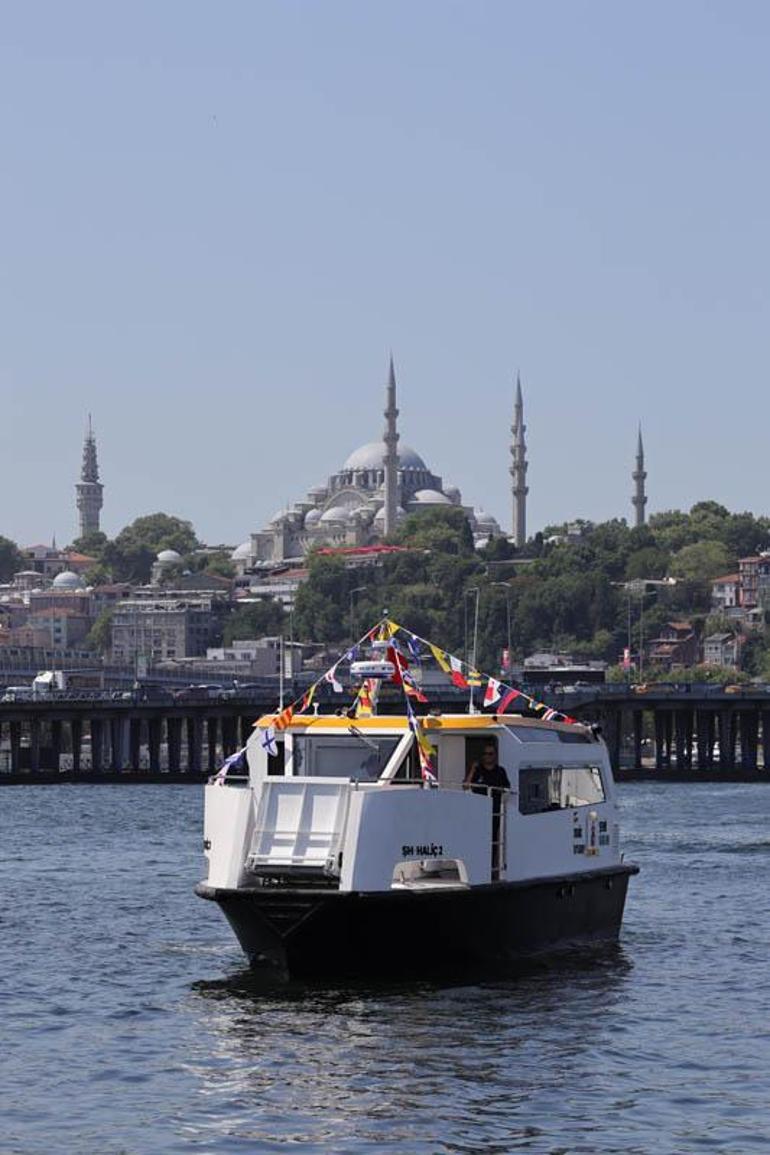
(362, 503)
(377, 486)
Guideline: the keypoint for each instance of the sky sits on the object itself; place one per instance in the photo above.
(217, 221)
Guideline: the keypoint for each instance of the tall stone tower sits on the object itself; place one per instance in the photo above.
(519, 470)
(639, 475)
(89, 488)
(391, 453)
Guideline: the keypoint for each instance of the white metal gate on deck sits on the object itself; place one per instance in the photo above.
(299, 822)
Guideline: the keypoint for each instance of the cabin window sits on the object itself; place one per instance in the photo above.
(330, 757)
(544, 788)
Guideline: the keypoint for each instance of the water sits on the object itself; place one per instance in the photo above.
(128, 1023)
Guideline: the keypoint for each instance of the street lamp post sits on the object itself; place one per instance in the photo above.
(353, 592)
(473, 590)
(507, 588)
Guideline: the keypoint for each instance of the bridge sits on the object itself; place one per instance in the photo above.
(662, 730)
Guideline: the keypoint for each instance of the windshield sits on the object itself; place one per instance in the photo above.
(353, 755)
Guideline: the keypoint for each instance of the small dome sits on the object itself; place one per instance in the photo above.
(67, 580)
(241, 552)
(486, 521)
(278, 517)
(380, 514)
(371, 456)
(332, 515)
(168, 557)
(453, 493)
(430, 497)
(312, 517)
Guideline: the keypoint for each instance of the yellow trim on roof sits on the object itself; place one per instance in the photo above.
(469, 722)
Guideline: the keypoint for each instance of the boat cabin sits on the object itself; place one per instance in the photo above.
(337, 802)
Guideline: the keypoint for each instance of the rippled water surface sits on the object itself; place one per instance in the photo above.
(128, 1023)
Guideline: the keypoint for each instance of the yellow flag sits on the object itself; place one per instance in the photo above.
(441, 658)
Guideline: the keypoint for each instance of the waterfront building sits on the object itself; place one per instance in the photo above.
(89, 489)
(725, 592)
(754, 573)
(164, 628)
(721, 649)
(359, 504)
(48, 561)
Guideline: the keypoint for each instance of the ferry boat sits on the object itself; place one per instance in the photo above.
(343, 848)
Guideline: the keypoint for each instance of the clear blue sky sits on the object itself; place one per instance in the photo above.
(217, 220)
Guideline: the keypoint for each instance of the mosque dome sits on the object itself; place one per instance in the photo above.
(333, 515)
(168, 557)
(241, 552)
(370, 456)
(486, 522)
(67, 580)
(453, 493)
(312, 517)
(430, 497)
(380, 514)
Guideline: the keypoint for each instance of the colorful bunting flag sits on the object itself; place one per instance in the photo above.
(456, 673)
(307, 698)
(366, 699)
(424, 749)
(441, 658)
(283, 719)
(269, 743)
(511, 696)
(331, 677)
(492, 692)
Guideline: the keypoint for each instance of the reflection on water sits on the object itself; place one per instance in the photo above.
(130, 1024)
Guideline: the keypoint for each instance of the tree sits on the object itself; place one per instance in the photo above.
(264, 618)
(701, 561)
(91, 544)
(11, 560)
(444, 528)
(131, 554)
(100, 635)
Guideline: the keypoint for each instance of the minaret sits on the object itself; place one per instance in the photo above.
(519, 470)
(89, 489)
(639, 475)
(391, 454)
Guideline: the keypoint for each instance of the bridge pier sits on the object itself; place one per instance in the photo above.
(174, 738)
(154, 730)
(749, 739)
(637, 717)
(97, 745)
(247, 726)
(765, 715)
(229, 737)
(56, 744)
(15, 738)
(212, 726)
(726, 739)
(135, 743)
(194, 743)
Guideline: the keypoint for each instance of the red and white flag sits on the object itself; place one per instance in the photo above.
(331, 677)
(492, 692)
(456, 673)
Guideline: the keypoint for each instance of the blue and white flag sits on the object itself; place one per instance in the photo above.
(235, 762)
(268, 742)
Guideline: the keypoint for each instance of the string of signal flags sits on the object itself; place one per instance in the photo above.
(401, 647)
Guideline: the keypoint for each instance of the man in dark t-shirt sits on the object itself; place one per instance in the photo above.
(488, 777)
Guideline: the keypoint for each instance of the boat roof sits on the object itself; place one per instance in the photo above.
(448, 722)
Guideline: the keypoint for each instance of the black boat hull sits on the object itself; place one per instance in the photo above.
(309, 932)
